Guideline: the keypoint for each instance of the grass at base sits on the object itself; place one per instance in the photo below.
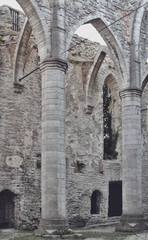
(97, 235)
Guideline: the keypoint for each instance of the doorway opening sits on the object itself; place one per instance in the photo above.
(7, 205)
(115, 199)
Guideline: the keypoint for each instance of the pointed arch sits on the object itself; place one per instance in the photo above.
(135, 67)
(98, 21)
(40, 29)
(92, 76)
(115, 49)
(93, 72)
(110, 76)
(19, 59)
(145, 80)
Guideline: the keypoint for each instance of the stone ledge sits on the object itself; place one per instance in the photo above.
(131, 223)
(131, 227)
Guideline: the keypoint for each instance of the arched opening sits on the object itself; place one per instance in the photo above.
(111, 117)
(40, 30)
(96, 202)
(7, 209)
(91, 78)
(105, 36)
(89, 32)
(115, 199)
(88, 63)
(21, 55)
(139, 47)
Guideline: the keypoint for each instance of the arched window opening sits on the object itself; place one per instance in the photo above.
(115, 199)
(109, 120)
(88, 31)
(7, 205)
(95, 202)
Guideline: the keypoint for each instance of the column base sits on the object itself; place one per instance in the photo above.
(131, 223)
(55, 224)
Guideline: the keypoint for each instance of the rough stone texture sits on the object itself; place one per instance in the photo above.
(84, 136)
(144, 112)
(53, 24)
(20, 120)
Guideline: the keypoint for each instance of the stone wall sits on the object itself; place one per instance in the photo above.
(20, 138)
(20, 120)
(87, 171)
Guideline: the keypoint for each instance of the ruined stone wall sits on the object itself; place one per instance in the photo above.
(20, 120)
(87, 171)
(123, 40)
(20, 138)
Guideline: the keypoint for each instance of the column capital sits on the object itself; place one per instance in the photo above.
(53, 63)
(130, 92)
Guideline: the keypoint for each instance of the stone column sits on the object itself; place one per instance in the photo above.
(53, 174)
(132, 218)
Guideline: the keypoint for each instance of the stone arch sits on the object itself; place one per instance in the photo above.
(96, 199)
(92, 76)
(94, 70)
(135, 67)
(115, 49)
(21, 50)
(145, 81)
(40, 29)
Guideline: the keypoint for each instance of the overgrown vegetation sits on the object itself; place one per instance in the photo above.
(38, 163)
(63, 232)
(110, 138)
(111, 66)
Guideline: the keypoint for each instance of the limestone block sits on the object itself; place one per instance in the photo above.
(14, 161)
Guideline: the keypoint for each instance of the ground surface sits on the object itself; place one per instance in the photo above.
(107, 233)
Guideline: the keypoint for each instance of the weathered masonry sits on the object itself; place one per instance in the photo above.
(74, 133)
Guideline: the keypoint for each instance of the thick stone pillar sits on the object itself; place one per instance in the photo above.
(53, 173)
(132, 218)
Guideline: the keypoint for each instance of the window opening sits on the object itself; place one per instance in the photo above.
(80, 167)
(95, 202)
(110, 138)
(15, 20)
(115, 199)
